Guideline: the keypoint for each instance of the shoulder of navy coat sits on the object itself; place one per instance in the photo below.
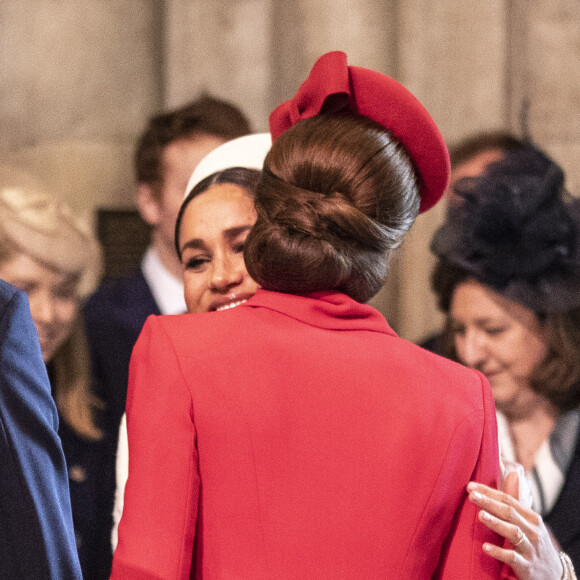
(36, 529)
(114, 316)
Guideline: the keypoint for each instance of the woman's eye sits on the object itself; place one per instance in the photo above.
(194, 263)
(239, 248)
(457, 330)
(25, 287)
(64, 295)
(495, 330)
(67, 290)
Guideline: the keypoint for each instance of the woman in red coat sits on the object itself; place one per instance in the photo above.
(296, 436)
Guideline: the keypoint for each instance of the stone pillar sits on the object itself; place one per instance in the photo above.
(452, 57)
(78, 81)
(220, 47)
(544, 57)
(304, 30)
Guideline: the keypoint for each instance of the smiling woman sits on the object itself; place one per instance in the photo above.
(52, 255)
(502, 339)
(212, 225)
(215, 221)
(51, 295)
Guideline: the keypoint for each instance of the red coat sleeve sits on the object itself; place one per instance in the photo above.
(157, 528)
(468, 533)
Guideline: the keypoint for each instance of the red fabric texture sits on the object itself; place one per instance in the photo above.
(334, 86)
(299, 437)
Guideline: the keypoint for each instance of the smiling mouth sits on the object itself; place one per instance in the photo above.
(230, 305)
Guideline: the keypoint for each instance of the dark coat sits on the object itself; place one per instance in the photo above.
(91, 478)
(36, 528)
(114, 316)
(564, 519)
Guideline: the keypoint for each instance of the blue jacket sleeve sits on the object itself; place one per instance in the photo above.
(36, 529)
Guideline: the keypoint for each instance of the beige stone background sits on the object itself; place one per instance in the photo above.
(79, 79)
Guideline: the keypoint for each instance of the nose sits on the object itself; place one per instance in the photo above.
(227, 272)
(43, 309)
(471, 349)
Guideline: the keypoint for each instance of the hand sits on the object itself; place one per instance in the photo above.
(531, 553)
(524, 490)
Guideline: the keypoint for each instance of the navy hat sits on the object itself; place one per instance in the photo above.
(516, 230)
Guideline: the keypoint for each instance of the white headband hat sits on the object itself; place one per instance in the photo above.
(248, 151)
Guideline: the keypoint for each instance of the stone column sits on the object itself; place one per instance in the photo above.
(452, 57)
(221, 47)
(544, 57)
(78, 81)
(304, 30)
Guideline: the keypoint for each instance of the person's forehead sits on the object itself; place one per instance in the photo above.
(476, 164)
(185, 153)
(220, 203)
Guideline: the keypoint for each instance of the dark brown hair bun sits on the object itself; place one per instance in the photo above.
(336, 196)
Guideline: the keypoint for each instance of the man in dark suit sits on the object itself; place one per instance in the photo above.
(166, 155)
(36, 529)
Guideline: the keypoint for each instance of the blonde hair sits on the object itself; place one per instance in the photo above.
(33, 223)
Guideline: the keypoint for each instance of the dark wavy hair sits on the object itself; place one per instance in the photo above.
(517, 231)
(204, 116)
(337, 194)
(473, 145)
(241, 176)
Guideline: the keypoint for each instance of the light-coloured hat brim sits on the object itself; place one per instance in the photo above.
(248, 151)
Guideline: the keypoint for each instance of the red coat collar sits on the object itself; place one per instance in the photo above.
(331, 310)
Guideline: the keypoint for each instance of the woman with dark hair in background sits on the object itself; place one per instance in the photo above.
(295, 435)
(213, 223)
(508, 277)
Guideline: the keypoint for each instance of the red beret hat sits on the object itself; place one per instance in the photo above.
(333, 86)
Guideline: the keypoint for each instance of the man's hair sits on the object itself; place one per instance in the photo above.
(204, 116)
(478, 143)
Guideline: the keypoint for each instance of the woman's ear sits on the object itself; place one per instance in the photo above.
(148, 204)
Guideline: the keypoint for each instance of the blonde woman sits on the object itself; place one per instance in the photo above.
(50, 254)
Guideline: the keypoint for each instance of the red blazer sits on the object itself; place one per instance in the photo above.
(299, 437)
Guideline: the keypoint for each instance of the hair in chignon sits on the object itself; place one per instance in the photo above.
(336, 196)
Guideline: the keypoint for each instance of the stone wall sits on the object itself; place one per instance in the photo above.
(78, 81)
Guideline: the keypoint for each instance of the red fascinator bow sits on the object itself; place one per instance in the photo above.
(333, 86)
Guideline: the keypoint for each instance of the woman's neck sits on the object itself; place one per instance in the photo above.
(529, 431)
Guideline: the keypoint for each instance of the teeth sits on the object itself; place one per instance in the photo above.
(231, 305)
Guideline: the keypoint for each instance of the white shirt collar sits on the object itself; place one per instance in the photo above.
(166, 288)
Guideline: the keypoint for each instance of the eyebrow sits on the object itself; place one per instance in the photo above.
(480, 321)
(230, 234)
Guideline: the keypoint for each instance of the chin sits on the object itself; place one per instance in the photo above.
(47, 355)
(501, 397)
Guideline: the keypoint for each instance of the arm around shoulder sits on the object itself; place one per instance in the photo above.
(157, 529)
(463, 556)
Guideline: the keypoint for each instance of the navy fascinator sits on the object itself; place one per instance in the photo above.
(515, 229)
